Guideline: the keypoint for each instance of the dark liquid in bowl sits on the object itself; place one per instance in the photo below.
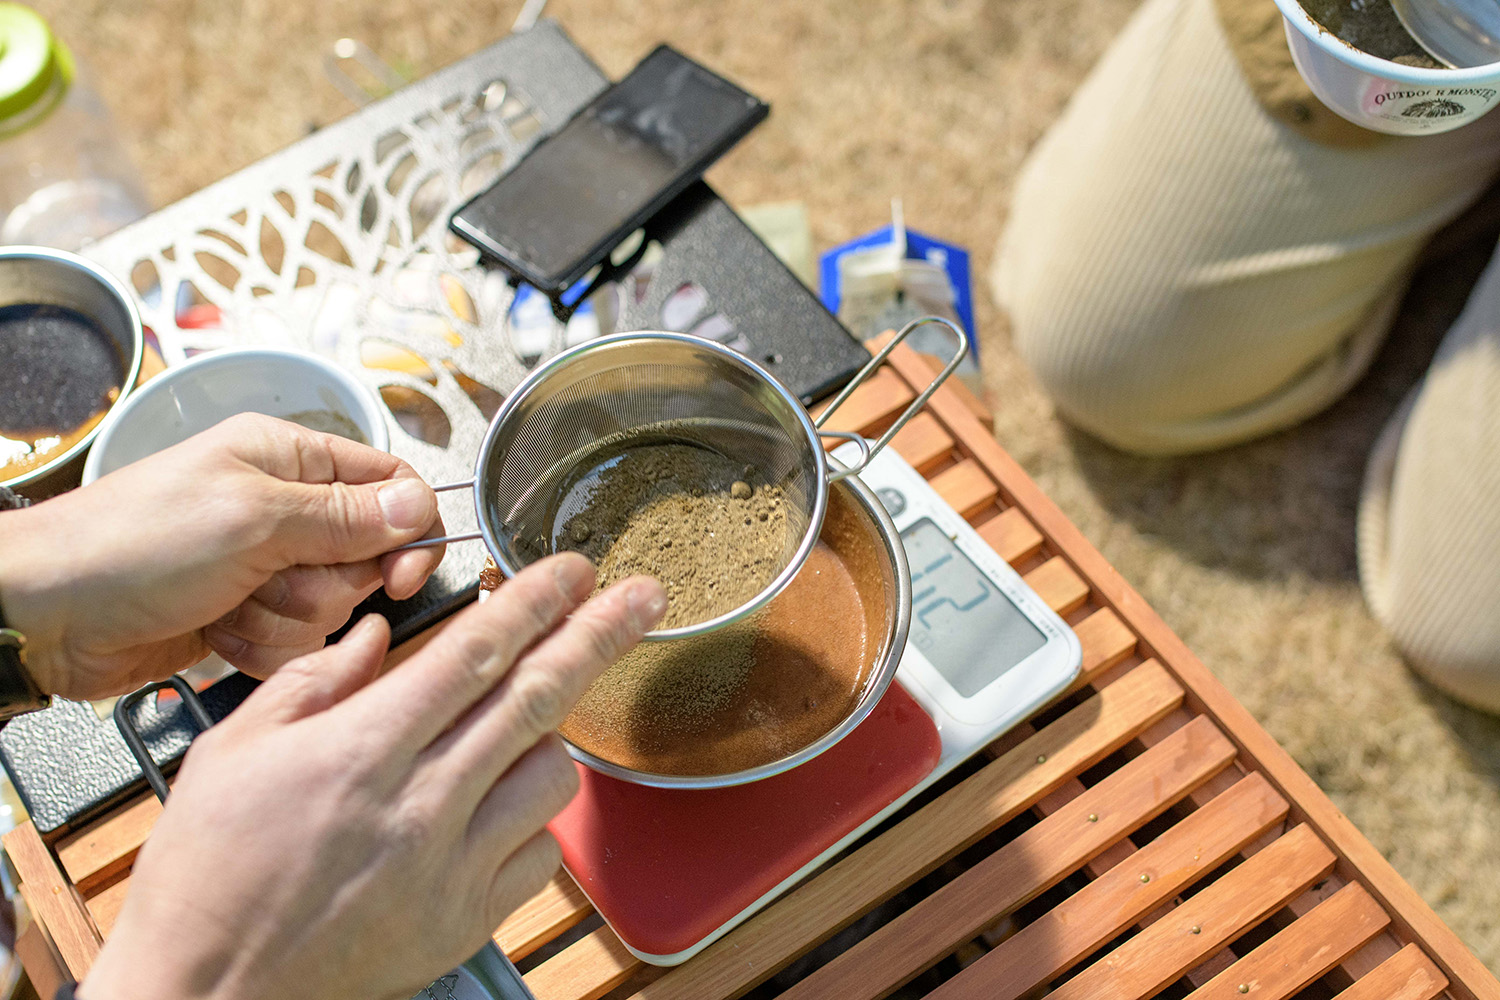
(59, 372)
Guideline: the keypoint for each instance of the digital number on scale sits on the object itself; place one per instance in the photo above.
(962, 623)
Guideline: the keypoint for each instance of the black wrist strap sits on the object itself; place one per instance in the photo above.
(18, 692)
(11, 500)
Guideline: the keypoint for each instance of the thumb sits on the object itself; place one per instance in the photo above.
(316, 682)
(326, 523)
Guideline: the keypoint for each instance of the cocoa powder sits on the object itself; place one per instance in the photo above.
(707, 527)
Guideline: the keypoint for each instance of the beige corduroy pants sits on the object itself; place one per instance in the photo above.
(1190, 263)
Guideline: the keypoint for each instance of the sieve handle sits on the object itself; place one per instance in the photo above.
(835, 474)
(426, 543)
(870, 451)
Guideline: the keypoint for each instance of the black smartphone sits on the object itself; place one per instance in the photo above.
(615, 164)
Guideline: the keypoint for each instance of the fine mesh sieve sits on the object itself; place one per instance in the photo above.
(584, 408)
(634, 390)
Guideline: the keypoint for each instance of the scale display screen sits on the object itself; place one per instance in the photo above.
(961, 621)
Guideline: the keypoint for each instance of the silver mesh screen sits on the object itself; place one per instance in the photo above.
(624, 392)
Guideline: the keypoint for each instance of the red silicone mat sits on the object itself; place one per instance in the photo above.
(667, 867)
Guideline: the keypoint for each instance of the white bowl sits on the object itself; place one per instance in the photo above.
(211, 387)
(1381, 95)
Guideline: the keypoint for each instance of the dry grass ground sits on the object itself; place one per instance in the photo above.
(1249, 554)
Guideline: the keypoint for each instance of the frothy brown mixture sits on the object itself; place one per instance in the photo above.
(754, 692)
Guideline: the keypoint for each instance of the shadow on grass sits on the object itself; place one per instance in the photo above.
(1476, 733)
(1285, 505)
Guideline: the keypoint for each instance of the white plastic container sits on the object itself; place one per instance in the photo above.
(1381, 95)
(211, 387)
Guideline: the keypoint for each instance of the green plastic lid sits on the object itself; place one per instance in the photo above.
(35, 67)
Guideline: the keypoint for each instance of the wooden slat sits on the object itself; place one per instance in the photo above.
(1055, 583)
(54, 900)
(1468, 978)
(1301, 953)
(107, 847)
(1363, 959)
(1205, 923)
(873, 404)
(1024, 868)
(586, 970)
(1086, 921)
(923, 442)
(957, 387)
(820, 908)
(1205, 972)
(1011, 535)
(1407, 975)
(1105, 641)
(43, 965)
(559, 906)
(965, 487)
(104, 905)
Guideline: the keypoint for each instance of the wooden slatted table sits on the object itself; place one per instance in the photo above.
(1141, 836)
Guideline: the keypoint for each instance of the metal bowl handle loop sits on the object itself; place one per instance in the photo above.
(870, 451)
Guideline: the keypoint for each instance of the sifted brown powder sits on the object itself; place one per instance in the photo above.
(705, 526)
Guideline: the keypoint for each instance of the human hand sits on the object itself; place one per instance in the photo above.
(254, 539)
(339, 836)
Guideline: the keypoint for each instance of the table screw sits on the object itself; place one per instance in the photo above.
(1145, 878)
(1041, 758)
(1244, 987)
(1196, 929)
(1093, 817)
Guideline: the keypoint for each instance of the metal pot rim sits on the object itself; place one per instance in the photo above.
(89, 270)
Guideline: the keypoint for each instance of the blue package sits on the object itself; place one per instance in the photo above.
(950, 257)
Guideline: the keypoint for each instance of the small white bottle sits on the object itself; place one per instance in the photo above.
(64, 178)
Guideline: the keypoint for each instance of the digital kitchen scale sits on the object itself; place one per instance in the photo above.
(673, 870)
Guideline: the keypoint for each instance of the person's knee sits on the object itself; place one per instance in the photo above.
(1112, 345)
(1463, 660)
(1094, 365)
(1429, 527)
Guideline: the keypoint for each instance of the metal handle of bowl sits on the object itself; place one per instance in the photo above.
(867, 450)
(468, 536)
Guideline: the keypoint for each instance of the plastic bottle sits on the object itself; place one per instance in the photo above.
(64, 178)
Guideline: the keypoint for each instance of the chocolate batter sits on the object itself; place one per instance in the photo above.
(753, 693)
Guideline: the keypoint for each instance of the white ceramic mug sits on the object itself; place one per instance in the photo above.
(1381, 95)
(211, 387)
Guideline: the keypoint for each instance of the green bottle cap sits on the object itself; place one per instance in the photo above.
(35, 67)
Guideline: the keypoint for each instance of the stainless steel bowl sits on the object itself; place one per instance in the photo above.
(867, 516)
(41, 276)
